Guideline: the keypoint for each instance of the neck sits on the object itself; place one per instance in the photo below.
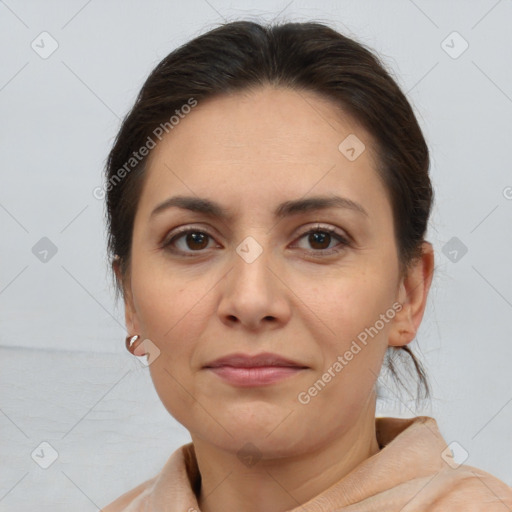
(278, 485)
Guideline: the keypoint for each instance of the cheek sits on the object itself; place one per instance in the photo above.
(359, 314)
(350, 303)
(169, 308)
(175, 312)
(354, 317)
(172, 315)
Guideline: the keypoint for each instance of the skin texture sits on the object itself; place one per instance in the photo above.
(250, 152)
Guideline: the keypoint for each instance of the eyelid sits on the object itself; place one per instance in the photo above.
(344, 238)
(318, 226)
(184, 229)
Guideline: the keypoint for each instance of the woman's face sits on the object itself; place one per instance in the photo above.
(254, 281)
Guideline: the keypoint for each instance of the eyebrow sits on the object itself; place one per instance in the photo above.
(286, 209)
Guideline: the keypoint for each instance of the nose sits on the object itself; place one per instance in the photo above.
(254, 295)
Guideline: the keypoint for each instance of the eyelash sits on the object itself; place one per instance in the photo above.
(344, 242)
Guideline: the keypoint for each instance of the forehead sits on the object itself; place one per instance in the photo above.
(263, 143)
(267, 123)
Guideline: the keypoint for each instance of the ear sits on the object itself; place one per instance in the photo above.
(130, 315)
(412, 295)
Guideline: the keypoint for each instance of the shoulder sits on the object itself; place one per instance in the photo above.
(172, 482)
(469, 489)
(132, 500)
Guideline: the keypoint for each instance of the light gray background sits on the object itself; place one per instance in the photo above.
(65, 375)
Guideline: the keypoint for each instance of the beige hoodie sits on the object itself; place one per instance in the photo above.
(411, 473)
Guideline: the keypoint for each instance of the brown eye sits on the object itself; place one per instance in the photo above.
(188, 241)
(196, 240)
(320, 240)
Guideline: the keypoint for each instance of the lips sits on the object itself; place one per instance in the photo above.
(266, 359)
(244, 370)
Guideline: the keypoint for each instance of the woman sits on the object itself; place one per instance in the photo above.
(268, 197)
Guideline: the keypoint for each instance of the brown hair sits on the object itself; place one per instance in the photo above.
(245, 55)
